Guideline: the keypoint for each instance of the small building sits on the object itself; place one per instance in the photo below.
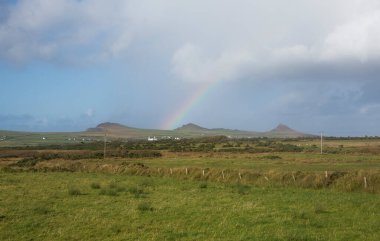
(152, 138)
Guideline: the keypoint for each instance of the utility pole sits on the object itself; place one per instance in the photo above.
(105, 144)
(321, 143)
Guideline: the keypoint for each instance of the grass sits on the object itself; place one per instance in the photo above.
(37, 206)
(74, 191)
(144, 206)
(207, 195)
(95, 185)
(203, 185)
(286, 161)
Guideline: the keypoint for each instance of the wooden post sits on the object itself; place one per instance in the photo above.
(223, 174)
(365, 182)
(203, 172)
(326, 175)
(105, 145)
(171, 171)
(186, 171)
(321, 143)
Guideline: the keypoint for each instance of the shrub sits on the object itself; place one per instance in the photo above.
(319, 209)
(42, 210)
(137, 191)
(242, 189)
(112, 185)
(108, 192)
(95, 185)
(144, 206)
(203, 185)
(27, 162)
(271, 157)
(146, 183)
(74, 191)
(115, 186)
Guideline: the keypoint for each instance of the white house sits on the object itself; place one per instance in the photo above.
(152, 138)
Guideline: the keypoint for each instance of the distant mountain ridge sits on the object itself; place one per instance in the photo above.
(190, 130)
(120, 131)
(191, 127)
(282, 128)
(106, 125)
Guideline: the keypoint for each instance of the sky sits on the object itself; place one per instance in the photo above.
(67, 65)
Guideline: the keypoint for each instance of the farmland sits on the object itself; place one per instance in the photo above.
(211, 188)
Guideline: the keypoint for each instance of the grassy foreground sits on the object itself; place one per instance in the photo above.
(95, 206)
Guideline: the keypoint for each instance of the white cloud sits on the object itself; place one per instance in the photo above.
(226, 40)
(191, 64)
(67, 30)
(89, 113)
(358, 39)
(294, 53)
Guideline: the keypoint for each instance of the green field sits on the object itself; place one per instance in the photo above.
(89, 206)
(212, 188)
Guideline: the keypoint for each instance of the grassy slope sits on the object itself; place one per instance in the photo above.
(38, 206)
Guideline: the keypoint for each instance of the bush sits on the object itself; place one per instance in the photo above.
(146, 183)
(112, 185)
(143, 154)
(41, 210)
(242, 189)
(137, 191)
(271, 157)
(27, 162)
(95, 185)
(115, 186)
(203, 185)
(318, 209)
(74, 192)
(108, 192)
(287, 148)
(144, 206)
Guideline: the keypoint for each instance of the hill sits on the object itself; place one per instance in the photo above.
(119, 131)
(284, 131)
(190, 130)
(106, 126)
(191, 127)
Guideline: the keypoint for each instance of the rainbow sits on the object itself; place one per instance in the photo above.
(175, 119)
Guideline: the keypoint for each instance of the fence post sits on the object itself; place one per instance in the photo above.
(326, 175)
(186, 170)
(365, 182)
(203, 172)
